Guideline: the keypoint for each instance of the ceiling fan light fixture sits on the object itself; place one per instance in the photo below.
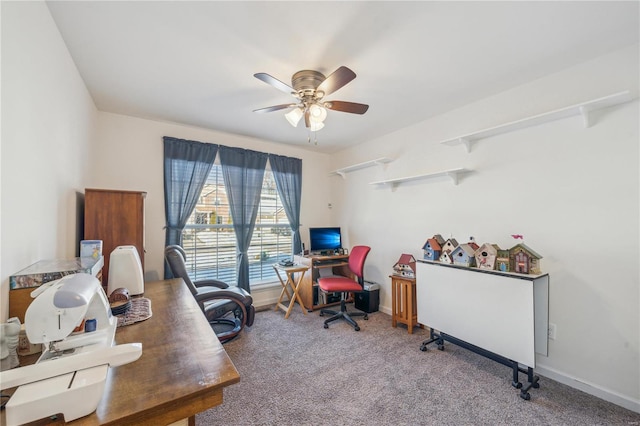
(310, 88)
(294, 116)
(317, 113)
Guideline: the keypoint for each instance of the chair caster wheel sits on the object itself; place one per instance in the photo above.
(366, 317)
(441, 347)
(321, 314)
(356, 328)
(423, 348)
(326, 326)
(525, 395)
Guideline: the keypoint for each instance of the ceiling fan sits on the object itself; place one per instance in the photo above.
(310, 88)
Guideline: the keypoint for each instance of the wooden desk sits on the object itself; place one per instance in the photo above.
(338, 265)
(182, 371)
(291, 283)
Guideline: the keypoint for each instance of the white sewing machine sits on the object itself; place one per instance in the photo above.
(70, 375)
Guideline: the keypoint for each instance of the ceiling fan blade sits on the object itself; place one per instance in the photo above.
(335, 81)
(343, 106)
(275, 108)
(307, 117)
(274, 82)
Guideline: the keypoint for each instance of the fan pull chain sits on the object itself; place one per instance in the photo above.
(315, 136)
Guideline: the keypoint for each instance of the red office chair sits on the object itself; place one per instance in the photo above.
(345, 286)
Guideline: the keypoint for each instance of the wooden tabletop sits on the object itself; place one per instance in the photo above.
(182, 371)
(290, 269)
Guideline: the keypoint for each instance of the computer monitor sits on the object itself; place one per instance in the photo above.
(323, 239)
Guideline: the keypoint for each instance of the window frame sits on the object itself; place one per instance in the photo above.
(203, 261)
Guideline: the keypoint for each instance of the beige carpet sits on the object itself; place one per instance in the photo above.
(294, 372)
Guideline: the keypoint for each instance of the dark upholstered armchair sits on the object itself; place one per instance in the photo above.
(346, 285)
(227, 308)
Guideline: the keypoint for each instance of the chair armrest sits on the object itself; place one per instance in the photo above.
(230, 296)
(237, 294)
(234, 295)
(211, 283)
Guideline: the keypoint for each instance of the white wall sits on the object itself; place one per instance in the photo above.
(572, 192)
(47, 129)
(131, 158)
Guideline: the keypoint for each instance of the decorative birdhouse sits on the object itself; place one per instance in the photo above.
(405, 266)
(502, 261)
(449, 245)
(524, 260)
(432, 249)
(445, 257)
(464, 255)
(486, 256)
(439, 239)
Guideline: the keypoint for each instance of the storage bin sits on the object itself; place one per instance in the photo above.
(368, 300)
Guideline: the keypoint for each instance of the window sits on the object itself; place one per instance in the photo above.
(210, 243)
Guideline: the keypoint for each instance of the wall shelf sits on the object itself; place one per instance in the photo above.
(344, 170)
(453, 174)
(584, 109)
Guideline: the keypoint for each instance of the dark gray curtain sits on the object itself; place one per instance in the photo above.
(287, 173)
(186, 167)
(243, 172)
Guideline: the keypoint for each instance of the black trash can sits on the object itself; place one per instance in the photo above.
(369, 300)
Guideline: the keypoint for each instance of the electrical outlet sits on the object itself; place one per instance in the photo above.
(551, 331)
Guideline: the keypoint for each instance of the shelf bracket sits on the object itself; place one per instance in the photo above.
(466, 142)
(454, 177)
(586, 119)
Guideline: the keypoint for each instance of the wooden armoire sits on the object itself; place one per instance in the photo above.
(116, 218)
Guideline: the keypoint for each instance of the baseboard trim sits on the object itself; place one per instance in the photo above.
(590, 388)
(265, 296)
(385, 310)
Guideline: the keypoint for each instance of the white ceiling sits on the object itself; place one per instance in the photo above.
(193, 62)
